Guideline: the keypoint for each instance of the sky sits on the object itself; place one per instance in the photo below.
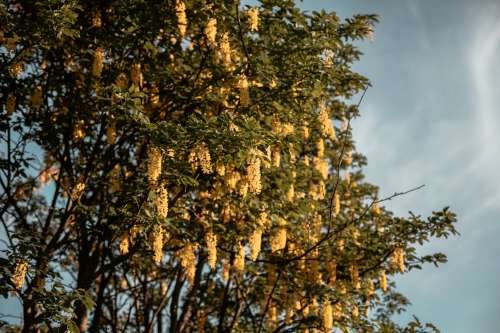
(433, 117)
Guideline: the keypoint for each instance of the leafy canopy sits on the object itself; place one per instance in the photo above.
(188, 166)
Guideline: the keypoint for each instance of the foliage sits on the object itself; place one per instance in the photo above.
(188, 166)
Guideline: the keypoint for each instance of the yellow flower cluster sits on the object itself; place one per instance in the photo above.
(337, 203)
(253, 174)
(239, 259)
(321, 165)
(187, 257)
(383, 280)
(325, 122)
(398, 259)
(77, 190)
(200, 156)
(136, 75)
(327, 315)
(180, 11)
(19, 274)
(124, 244)
(332, 272)
(276, 156)
(211, 240)
(370, 288)
(356, 283)
(320, 146)
(154, 165)
(96, 19)
(305, 132)
(161, 201)
(278, 240)
(225, 50)
(290, 194)
(231, 178)
(211, 30)
(157, 239)
(244, 93)
(16, 69)
(255, 242)
(253, 18)
(98, 63)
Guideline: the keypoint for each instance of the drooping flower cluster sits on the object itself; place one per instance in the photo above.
(211, 240)
(253, 174)
(187, 257)
(398, 259)
(180, 11)
(278, 240)
(326, 127)
(244, 94)
(19, 274)
(211, 30)
(154, 165)
(124, 244)
(161, 201)
(253, 18)
(239, 259)
(98, 63)
(157, 240)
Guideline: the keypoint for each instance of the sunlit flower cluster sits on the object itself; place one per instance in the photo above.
(253, 18)
(180, 11)
(211, 240)
(19, 274)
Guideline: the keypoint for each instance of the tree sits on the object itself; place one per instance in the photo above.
(188, 166)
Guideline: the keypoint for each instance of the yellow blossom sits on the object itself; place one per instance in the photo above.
(383, 280)
(321, 165)
(211, 240)
(325, 122)
(161, 201)
(327, 315)
(353, 269)
(239, 259)
(96, 19)
(253, 175)
(19, 274)
(16, 69)
(136, 75)
(204, 158)
(180, 10)
(211, 30)
(276, 156)
(255, 243)
(244, 94)
(157, 239)
(187, 257)
(98, 63)
(278, 240)
(320, 146)
(253, 18)
(154, 165)
(124, 244)
(231, 179)
(337, 203)
(290, 194)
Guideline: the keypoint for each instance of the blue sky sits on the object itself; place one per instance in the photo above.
(433, 117)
